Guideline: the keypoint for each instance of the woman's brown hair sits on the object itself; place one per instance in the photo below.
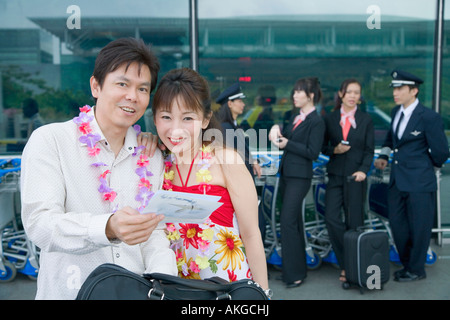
(343, 90)
(310, 86)
(192, 90)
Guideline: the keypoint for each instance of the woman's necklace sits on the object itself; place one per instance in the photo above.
(144, 193)
(203, 175)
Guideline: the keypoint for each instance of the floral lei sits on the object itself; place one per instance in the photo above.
(90, 139)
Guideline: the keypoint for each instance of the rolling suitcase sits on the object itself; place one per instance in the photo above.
(366, 258)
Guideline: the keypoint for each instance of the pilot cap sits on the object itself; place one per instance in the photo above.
(403, 78)
(231, 93)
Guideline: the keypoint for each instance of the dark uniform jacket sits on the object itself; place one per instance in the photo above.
(237, 139)
(361, 140)
(303, 147)
(422, 147)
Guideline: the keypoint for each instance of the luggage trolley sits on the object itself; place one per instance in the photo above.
(377, 212)
(268, 205)
(17, 253)
(317, 245)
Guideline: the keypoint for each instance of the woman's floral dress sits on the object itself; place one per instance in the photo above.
(213, 248)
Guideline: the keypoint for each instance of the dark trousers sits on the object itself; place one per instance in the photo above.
(349, 196)
(411, 217)
(292, 228)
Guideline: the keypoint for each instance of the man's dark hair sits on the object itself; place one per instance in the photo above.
(412, 87)
(125, 51)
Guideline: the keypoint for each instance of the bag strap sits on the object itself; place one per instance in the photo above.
(157, 292)
(192, 283)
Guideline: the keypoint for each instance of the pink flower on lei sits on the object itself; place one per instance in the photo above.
(109, 196)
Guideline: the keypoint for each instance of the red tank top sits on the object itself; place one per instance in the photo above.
(224, 214)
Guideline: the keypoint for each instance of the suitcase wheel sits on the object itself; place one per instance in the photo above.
(346, 285)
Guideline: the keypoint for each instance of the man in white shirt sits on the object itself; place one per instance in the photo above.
(419, 144)
(84, 181)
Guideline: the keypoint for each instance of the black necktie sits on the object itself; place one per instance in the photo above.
(398, 124)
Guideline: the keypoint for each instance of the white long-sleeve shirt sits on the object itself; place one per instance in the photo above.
(65, 216)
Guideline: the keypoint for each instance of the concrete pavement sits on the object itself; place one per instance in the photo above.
(321, 284)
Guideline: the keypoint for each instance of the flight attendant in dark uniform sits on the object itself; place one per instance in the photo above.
(419, 144)
(349, 142)
(301, 142)
(232, 105)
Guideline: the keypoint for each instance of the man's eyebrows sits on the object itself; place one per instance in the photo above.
(125, 79)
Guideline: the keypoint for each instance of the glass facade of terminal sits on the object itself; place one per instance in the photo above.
(48, 49)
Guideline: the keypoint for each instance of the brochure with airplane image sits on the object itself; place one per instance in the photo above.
(182, 207)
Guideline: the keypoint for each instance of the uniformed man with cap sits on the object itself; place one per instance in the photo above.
(417, 139)
(232, 105)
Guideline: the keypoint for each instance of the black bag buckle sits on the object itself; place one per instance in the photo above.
(156, 292)
(224, 296)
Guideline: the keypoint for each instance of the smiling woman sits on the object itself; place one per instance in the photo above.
(182, 109)
(177, 127)
(182, 112)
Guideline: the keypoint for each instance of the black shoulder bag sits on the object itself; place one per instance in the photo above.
(113, 282)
